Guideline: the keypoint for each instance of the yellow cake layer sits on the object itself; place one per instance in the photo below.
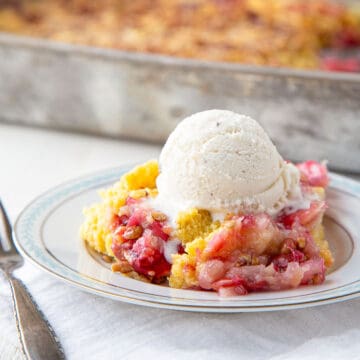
(136, 183)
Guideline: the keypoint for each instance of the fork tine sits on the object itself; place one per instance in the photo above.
(6, 241)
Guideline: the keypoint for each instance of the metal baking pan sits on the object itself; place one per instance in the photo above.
(308, 114)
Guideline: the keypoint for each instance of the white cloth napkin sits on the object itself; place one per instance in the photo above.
(91, 327)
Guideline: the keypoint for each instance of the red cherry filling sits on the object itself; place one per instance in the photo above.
(303, 217)
(313, 173)
(296, 260)
(147, 256)
(280, 263)
(139, 239)
(157, 230)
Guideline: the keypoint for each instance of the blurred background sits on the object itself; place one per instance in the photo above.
(134, 68)
(288, 33)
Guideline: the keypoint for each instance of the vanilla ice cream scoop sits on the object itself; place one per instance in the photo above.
(224, 162)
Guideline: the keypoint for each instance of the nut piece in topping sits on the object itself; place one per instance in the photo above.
(121, 266)
(138, 194)
(133, 232)
(301, 242)
(158, 216)
(108, 259)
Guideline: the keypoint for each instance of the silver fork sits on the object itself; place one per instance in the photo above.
(37, 338)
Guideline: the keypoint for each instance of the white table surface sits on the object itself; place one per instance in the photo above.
(91, 327)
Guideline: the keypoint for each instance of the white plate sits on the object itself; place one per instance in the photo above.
(46, 232)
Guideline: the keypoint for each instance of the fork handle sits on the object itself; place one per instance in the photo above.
(37, 338)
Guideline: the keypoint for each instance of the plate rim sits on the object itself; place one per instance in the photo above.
(101, 178)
